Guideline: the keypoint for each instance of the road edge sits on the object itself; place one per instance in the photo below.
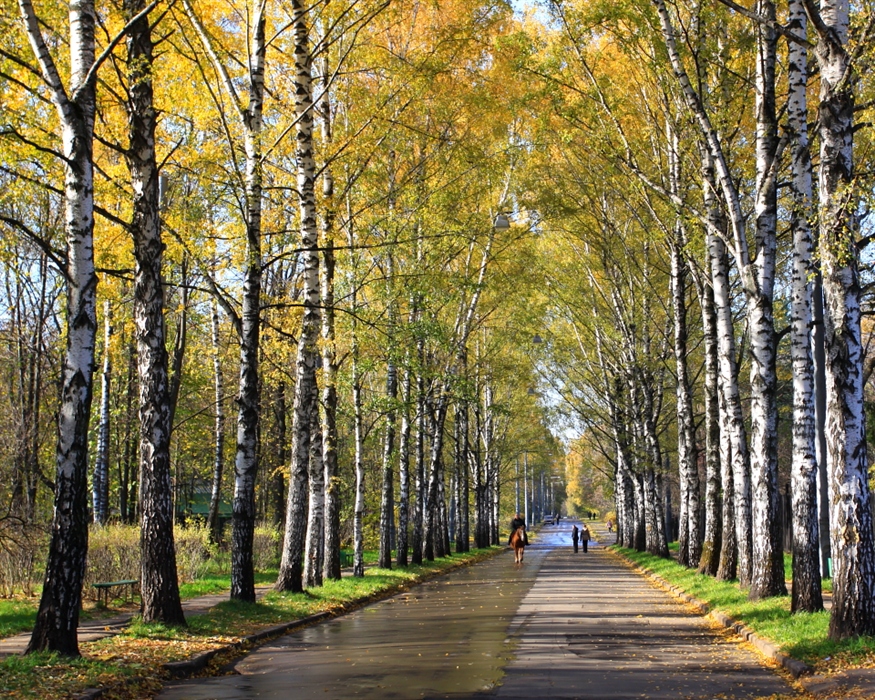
(766, 647)
(200, 662)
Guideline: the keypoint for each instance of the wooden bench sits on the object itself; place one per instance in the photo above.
(104, 587)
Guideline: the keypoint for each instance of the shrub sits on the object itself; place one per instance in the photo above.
(193, 552)
(113, 554)
(266, 547)
(23, 553)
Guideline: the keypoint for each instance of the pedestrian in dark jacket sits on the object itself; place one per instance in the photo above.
(575, 536)
(584, 537)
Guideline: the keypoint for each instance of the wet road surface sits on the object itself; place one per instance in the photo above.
(562, 625)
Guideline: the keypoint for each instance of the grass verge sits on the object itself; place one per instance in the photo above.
(802, 636)
(129, 665)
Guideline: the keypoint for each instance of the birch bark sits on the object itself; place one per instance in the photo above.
(387, 488)
(853, 549)
(712, 543)
(768, 556)
(329, 346)
(159, 587)
(418, 540)
(806, 591)
(404, 436)
(218, 428)
(758, 569)
(314, 542)
(58, 615)
(689, 533)
(100, 481)
(306, 389)
(248, 396)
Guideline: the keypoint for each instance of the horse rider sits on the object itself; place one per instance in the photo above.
(515, 524)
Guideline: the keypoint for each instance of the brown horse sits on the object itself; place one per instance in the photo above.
(518, 542)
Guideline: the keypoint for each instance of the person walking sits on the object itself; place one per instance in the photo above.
(585, 534)
(575, 536)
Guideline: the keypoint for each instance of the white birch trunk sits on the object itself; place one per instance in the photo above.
(58, 615)
(329, 349)
(806, 592)
(306, 389)
(100, 481)
(218, 427)
(359, 505)
(734, 450)
(387, 488)
(689, 531)
(248, 398)
(761, 571)
(853, 550)
(712, 542)
(404, 436)
(357, 409)
(767, 554)
(314, 544)
(417, 544)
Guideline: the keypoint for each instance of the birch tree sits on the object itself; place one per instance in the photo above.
(248, 324)
(806, 591)
(58, 616)
(213, 521)
(329, 343)
(853, 550)
(306, 396)
(100, 480)
(159, 585)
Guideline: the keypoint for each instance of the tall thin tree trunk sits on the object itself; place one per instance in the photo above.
(131, 504)
(278, 463)
(806, 593)
(387, 488)
(420, 482)
(460, 430)
(757, 280)
(357, 408)
(359, 506)
(100, 482)
(690, 530)
(248, 325)
(218, 430)
(712, 544)
(853, 548)
(768, 558)
(431, 537)
(306, 389)
(314, 545)
(329, 350)
(404, 437)
(248, 395)
(159, 585)
(58, 615)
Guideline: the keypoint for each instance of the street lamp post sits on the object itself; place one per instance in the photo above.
(526, 485)
(517, 501)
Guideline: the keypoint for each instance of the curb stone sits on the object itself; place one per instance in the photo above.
(796, 667)
(189, 667)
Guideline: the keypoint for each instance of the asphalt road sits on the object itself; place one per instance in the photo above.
(560, 626)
